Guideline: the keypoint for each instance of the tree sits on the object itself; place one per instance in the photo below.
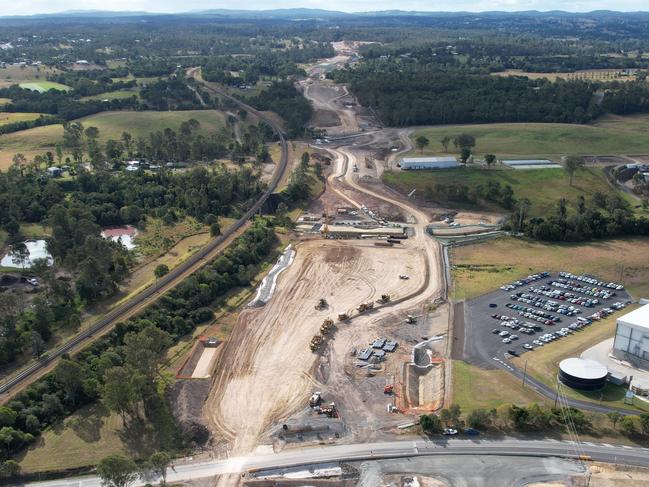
(445, 141)
(304, 161)
(479, 418)
(421, 142)
(20, 254)
(451, 415)
(10, 469)
(161, 270)
(38, 345)
(70, 376)
(465, 154)
(59, 153)
(489, 159)
(121, 392)
(215, 229)
(464, 141)
(159, 463)
(571, 164)
(627, 423)
(7, 416)
(317, 169)
(117, 471)
(614, 417)
(644, 423)
(430, 423)
(523, 205)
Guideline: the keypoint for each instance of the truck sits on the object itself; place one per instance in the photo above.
(315, 399)
(365, 307)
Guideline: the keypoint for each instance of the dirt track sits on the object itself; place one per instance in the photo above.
(267, 372)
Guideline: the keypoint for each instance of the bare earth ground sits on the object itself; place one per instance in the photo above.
(271, 376)
(607, 475)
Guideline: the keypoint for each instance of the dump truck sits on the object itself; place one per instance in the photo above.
(365, 307)
(411, 319)
(343, 316)
(388, 389)
(385, 298)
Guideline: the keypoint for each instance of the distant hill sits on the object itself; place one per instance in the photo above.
(322, 14)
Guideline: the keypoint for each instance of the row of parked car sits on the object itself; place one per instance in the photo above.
(577, 287)
(525, 281)
(534, 314)
(591, 280)
(546, 304)
(562, 295)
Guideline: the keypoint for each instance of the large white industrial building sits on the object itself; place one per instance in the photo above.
(413, 163)
(632, 337)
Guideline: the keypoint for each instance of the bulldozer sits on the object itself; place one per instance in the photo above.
(343, 317)
(322, 304)
(385, 298)
(327, 326)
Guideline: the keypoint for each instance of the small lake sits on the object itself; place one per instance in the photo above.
(37, 250)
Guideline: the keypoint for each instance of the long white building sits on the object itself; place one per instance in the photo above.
(632, 337)
(413, 163)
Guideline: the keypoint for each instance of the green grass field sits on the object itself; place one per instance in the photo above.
(6, 117)
(609, 135)
(483, 267)
(43, 86)
(475, 388)
(110, 125)
(113, 95)
(543, 187)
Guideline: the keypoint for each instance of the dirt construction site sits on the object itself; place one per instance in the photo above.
(267, 370)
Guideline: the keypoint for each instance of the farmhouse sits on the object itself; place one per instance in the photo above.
(415, 163)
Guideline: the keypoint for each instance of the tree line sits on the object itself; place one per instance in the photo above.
(284, 99)
(532, 418)
(122, 368)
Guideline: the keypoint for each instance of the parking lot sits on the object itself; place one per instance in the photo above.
(523, 316)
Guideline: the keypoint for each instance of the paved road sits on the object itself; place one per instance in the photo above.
(166, 282)
(395, 449)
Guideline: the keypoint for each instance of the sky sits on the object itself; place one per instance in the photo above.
(27, 7)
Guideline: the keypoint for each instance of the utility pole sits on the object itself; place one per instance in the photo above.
(525, 373)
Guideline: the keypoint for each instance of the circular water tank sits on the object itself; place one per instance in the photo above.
(583, 374)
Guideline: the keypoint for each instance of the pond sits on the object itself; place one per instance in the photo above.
(37, 250)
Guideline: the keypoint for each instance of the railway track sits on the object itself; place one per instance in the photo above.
(148, 296)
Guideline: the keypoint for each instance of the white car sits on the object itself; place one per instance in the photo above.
(449, 432)
(507, 340)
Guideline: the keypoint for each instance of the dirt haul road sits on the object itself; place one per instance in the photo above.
(266, 372)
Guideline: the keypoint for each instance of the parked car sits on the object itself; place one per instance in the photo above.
(449, 432)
